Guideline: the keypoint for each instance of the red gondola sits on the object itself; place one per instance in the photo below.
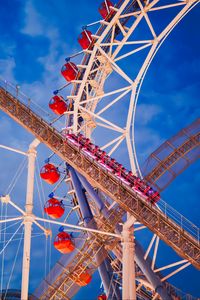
(63, 243)
(58, 105)
(85, 39)
(54, 208)
(50, 173)
(69, 71)
(84, 279)
(104, 9)
(102, 297)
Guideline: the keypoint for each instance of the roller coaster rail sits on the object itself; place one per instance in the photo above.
(159, 170)
(166, 222)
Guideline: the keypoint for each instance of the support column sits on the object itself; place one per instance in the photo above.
(128, 265)
(88, 217)
(145, 265)
(28, 220)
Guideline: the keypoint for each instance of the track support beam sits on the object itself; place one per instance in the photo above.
(128, 268)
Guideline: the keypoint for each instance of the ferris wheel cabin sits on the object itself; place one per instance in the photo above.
(54, 208)
(63, 243)
(69, 71)
(57, 105)
(84, 279)
(49, 173)
(102, 297)
(85, 39)
(105, 9)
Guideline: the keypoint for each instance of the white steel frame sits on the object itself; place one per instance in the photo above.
(111, 58)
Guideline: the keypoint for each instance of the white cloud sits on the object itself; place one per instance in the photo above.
(33, 25)
(52, 61)
(7, 68)
(146, 112)
(147, 140)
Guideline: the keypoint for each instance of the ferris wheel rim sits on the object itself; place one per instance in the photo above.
(143, 77)
(129, 136)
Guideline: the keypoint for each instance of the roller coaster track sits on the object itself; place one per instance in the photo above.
(186, 244)
(160, 169)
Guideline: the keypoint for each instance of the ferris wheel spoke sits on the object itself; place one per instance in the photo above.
(181, 3)
(112, 142)
(115, 66)
(176, 271)
(140, 228)
(128, 34)
(8, 242)
(111, 40)
(115, 127)
(150, 246)
(177, 18)
(126, 89)
(133, 51)
(116, 146)
(131, 154)
(121, 28)
(113, 102)
(136, 42)
(155, 253)
(147, 20)
(106, 126)
(170, 265)
(146, 61)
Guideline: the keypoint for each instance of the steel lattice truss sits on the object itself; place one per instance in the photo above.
(185, 244)
(130, 32)
(182, 149)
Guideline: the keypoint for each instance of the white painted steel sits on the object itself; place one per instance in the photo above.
(28, 220)
(112, 57)
(13, 150)
(82, 228)
(128, 260)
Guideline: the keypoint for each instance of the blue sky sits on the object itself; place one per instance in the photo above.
(37, 35)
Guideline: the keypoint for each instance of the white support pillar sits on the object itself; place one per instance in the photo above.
(128, 260)
(28, 220)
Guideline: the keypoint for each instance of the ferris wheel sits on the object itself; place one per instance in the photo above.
(97, 112)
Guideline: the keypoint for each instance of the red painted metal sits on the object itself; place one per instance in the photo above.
(69, 71)
(104, 9)
(54, 208)
(113, 166)
(85, 39)
(58, 105)
(84, 279)
(49, 173)
(63, 243)
(102, 297)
